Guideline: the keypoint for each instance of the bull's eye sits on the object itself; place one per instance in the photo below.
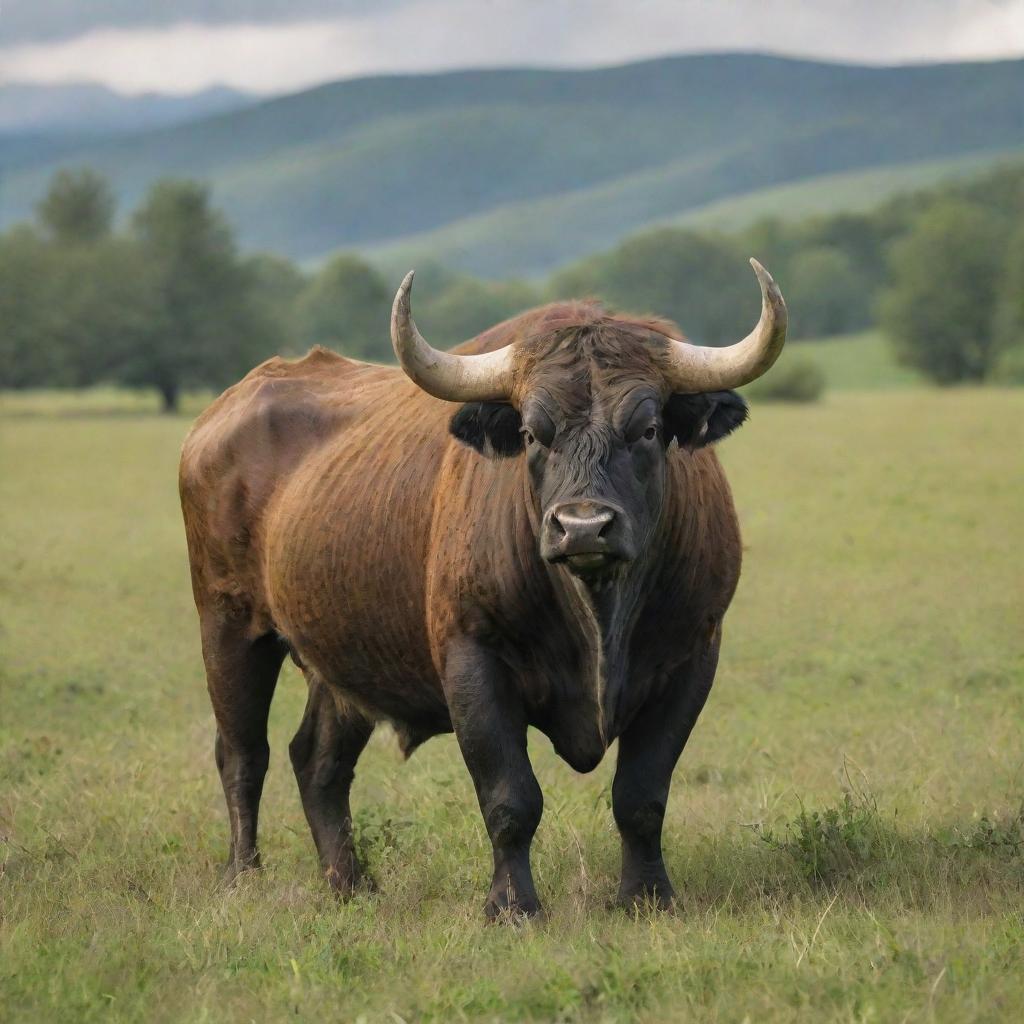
(651, 433)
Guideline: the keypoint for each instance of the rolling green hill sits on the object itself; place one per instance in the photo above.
(520, 170)
(538, 235)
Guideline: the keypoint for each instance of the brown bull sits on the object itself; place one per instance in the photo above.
(558, 551)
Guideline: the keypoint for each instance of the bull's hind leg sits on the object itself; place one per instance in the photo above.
(241, 675)
(648, 751)
(324, 754)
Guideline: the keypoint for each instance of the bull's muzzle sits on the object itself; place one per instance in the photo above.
(590, 537)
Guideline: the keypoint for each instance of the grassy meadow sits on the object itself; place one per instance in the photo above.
(845, 828)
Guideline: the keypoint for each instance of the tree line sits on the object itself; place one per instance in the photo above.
(166, 300)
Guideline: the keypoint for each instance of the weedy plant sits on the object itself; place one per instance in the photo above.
(837, 842)
(994, 835)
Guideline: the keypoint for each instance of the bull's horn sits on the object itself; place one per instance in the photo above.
(694, 368)
(478, 378)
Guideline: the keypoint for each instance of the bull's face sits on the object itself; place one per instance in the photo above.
(594, 427)
(593, 403)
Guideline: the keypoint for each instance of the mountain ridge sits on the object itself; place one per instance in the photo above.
(365, 163)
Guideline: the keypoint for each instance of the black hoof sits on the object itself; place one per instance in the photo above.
(646, 898)
(234, 869)
(345, 884)
(501, 910)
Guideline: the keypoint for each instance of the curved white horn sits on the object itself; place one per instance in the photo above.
(478, 378)
(696, 368)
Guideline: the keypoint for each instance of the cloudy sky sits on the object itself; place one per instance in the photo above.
(277, 45)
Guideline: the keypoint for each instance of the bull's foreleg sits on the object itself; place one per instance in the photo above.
(324, 754)
(490, 725)
(648, 752)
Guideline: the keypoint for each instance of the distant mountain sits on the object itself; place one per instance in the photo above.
(87, 109)
(538, 167)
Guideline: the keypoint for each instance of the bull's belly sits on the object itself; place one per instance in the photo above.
(344, 586)
(370, 653)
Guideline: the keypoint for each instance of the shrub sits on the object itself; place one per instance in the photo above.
(834, 843)
(996, 835)
(1009, 366)
(797, 379)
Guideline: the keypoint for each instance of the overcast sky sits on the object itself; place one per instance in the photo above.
(278, 45)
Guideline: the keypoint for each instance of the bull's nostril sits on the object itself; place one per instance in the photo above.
(556, 526)
(606, 526)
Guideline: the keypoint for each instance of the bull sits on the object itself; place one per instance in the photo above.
(557, 551)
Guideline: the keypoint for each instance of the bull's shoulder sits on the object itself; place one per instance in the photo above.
(241, 451)
(280, 405)
(260, 429)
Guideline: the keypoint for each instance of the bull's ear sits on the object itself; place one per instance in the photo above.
(698, 420)
(492, 428)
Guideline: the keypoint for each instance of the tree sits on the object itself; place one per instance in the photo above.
(825, 293)
(939, 310)
(206, 326)
(696, 280)
(78, 207)
(346, 306)
(1008, 323)
(467, 306)
(29, 356)
(277, 284)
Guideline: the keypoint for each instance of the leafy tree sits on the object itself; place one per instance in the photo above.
(695, 279)
(826, 293)
(939, 309)
(70, 312)
(1009, 315)
(105, 304)
(346, 306)
(466, 307)
(28, 355)
(78, 207)
(206, 325)
(277, 284)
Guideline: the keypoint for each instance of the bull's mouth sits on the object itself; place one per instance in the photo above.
(590, 564)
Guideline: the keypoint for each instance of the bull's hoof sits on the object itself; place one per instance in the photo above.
(345, 884)
(646, 898)
(499, 909)
(234, 869)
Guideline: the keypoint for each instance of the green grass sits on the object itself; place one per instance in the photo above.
(844, 827)
(102, 400)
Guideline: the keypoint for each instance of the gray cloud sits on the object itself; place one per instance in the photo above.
(272, 46)
(33, 21)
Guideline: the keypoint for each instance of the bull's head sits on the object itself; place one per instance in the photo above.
(594, 406)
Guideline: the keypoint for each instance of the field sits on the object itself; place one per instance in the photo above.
(845, 828)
